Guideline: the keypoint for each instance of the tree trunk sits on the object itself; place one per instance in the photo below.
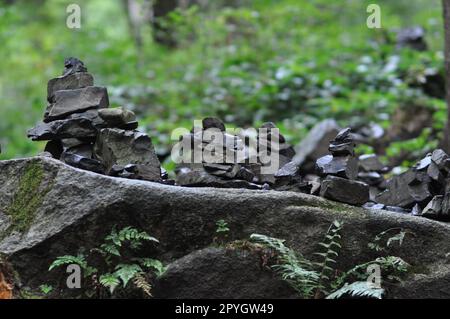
(446, 7)
(163, 33)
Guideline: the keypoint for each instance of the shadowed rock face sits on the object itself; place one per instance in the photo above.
(221, 273)
(71, 208)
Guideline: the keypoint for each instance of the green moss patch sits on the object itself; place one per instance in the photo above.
(27, 199)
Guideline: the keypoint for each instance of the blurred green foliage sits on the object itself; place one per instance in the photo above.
(293, 62)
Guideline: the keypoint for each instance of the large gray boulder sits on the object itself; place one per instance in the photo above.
(49, 209)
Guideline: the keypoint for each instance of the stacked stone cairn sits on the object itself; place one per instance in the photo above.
(237, 166)
(83, 132)
(340, 170)
(225, 170)
(423, 190)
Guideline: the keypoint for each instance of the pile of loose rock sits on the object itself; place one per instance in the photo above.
(83, 132)
(423, 190)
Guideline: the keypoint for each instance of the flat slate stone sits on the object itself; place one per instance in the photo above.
(342, 166)
(117, 117)
(69, 82)
(61, 129)
(397, 193)
(198, 177)
(85, 163)
(67, 102)
(344, 190)
(434, 208)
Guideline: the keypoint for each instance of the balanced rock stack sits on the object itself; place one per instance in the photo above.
(239, 165)
(340, 171)
(423, 190)
(225, 169)
(83, 132)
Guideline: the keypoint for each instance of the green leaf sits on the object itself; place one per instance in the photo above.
(126, 272)
(69, 259)
(154, 264)
(110, 281)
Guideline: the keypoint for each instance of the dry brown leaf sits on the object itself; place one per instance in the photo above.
(6, 290)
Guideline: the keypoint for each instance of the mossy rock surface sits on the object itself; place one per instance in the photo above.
(28, 198)
(74, 208)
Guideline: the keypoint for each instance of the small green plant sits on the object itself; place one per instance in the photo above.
(222, 232)
(319, 279)
(119, 264)
(46, 289)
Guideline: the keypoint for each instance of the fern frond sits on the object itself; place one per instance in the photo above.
(126, 272)
(361, 289)
(110, 281)
(142, 283)
(324, 267)
(154, 264)
(69, 259)
(296, 270)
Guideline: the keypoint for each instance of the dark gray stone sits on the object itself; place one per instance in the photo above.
(434, 208)
(55, 148)
(370, 178)
(73, 65)
(420, 192)
(84, 150)
(344, 190)
(371, 163)
(397, 193)
(440, 158)
(68, 82)
(199, 177)
(91, 115)
(342, 166)
(212, 122)
(343, 144)
(67, 102)
(61, 129)
(117, 117)
(81, 162)
(221, 273)
(116, 146)
(342, 149)
(290, 169)
(245, 174)
(144, 172)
